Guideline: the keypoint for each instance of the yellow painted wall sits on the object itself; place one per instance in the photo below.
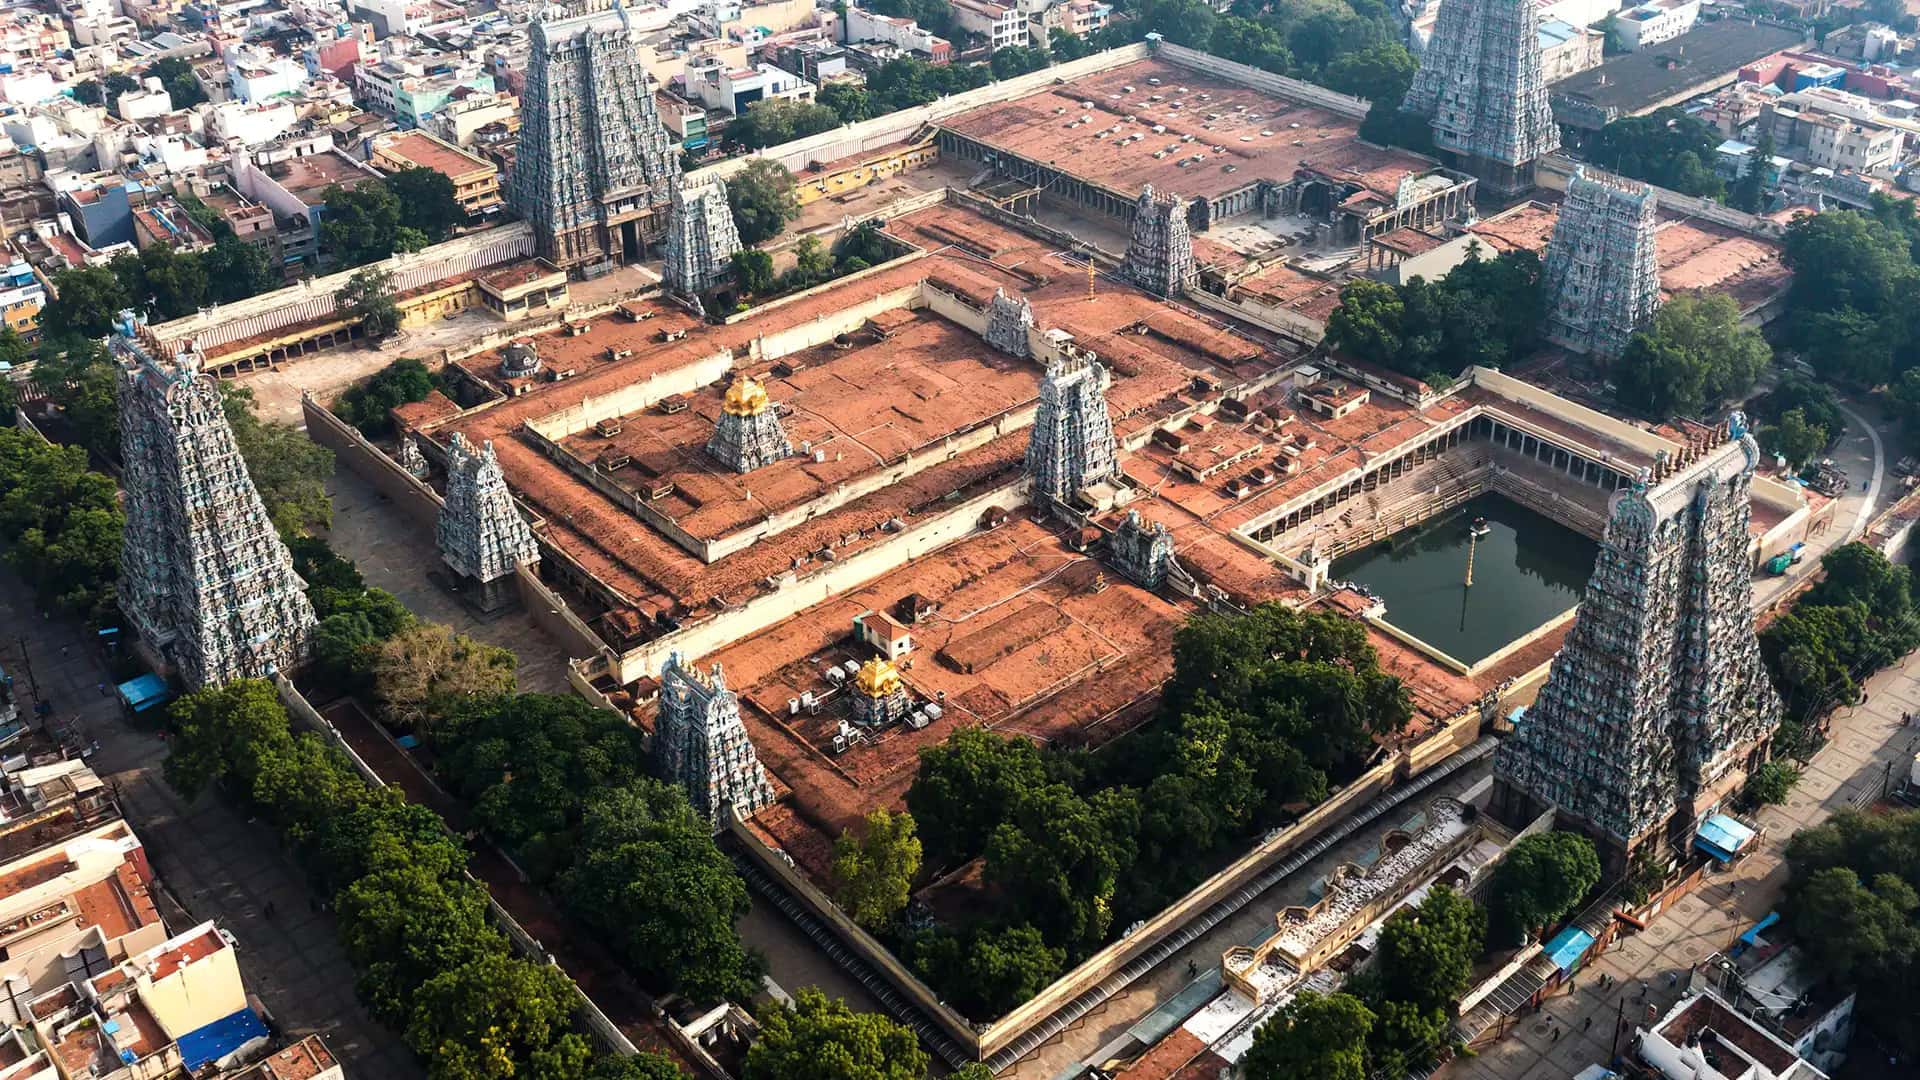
(816, 186)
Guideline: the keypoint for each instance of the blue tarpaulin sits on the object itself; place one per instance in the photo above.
(1568, 946)
(220, 1038)
(1722, 837)
(1751, 939)
(144, 692)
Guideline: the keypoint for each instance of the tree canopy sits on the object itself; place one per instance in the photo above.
(423, 670)
(821, 1039)
(369, 298)
(1856, 620)
(60, 524)
(367, 406)
(1485, 311)
(1696, 355)
(1323, 1036)
(876, 869)
(289, 470)
(763, 199)
(1848, 304)
(777, 120)
(1666, 148)
(1539, 880)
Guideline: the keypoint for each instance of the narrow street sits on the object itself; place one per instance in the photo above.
(212, 862)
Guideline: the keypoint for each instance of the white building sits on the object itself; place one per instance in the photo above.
(1701, 1036)
(248, 125)
(256, 74)
(717, 85)
(1003, 27)
(863, 25)
(149, 101)
(1652, 23)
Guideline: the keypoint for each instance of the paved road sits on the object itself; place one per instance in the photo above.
(214, 862)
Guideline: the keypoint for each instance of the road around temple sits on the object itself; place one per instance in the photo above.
(210, 860)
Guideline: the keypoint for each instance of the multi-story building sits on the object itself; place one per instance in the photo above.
(476, 183)
(859, 24)
(411, 87)
(101, 213)
(1833, 129)
(466, 111)
(255, 74)
(21, 298)
(1001, 26)
(733, 90)
(818, 62)
(165, 222)
(1566, 49)
(295, 189)
(1055, 17)
(687, 121)
(1652, 23)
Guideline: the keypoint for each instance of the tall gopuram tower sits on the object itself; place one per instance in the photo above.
(1071, 446)
(480, 533)
(1159, 254)
(701, 239)
(1657, 705)
(203, 574)
(1601, 280)
(594, 164)
(701, 744)
(748, 434)
(1481, 85)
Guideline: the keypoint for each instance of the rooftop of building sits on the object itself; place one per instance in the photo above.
(303, 1060)
(184, 951)
(308, 178)
(1637, 81)
(1707, 1022)
(417, 148)
(1243, 135)
(89, 1049)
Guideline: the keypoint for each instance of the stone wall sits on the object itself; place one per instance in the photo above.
(413, 497)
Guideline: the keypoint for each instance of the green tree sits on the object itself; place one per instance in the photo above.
(237, 270)
(1771, 783)
(425, 669)
(303, 784)
(876, 870)
(753, 270)
(82, 380)
(1815, 400)
(380, 833)
(988, 970)
(427, 202)
(1749, 191)
(650, 880)
(966, 787)
(1065, 46)
(822, 1039)
(1251, 43)
(220, 735)
(168, 284)
(404, 926)
(850, 103)
(369, 298)
(1381, 72)
(1615, 43)
(763, 199)
(1811, 651)
(1425, 954)
(85, 303)
(289, 470)
(361, 224)
(1541, 878)
(60, 525)
(1793, 438)
(1183, 22)
(1667, 148)
(367, 405)
(812, 262)
(1315, 1035)
(176, 74)
(1696, 354)
(87, 92)
(778, 120)
(484, 1019)
(1015, 61)
(1059, 858)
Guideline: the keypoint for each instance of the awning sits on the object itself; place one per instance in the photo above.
(220, 1038)
(144, 692)
(1722, 837)
(1567, 947)
(1751, 939)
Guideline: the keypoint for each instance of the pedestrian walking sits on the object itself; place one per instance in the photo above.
(1556, 1034)
(1673, 979)
(1643, 990)
(1587, 1024)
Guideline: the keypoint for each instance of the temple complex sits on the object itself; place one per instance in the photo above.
(701, 239)
(481, 534)
(1480, 82)
(595, 164)
(700, 744)
(204, 576)
(1658, 705)
(1601, 279)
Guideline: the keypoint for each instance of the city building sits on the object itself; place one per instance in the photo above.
(860, 25)
(257, 74)
(480, 533)
(410, 87)
(165, 221)
(476, 182)
(717, 85)
(1652, 23)
(1701, 1035)
(1055, 17)
(701, 240)
(1566, 49)
(1657, 706)
(595, 166)
(1699, 62)
(205, 578)
(295, 190)
(701, 745)
(459, 119)
(1001, 26)
(21, 298)
(1601, 279)
(1833, 129)
(1482, 84)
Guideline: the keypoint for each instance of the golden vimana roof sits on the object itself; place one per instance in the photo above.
(746, 397)
(877, 678)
